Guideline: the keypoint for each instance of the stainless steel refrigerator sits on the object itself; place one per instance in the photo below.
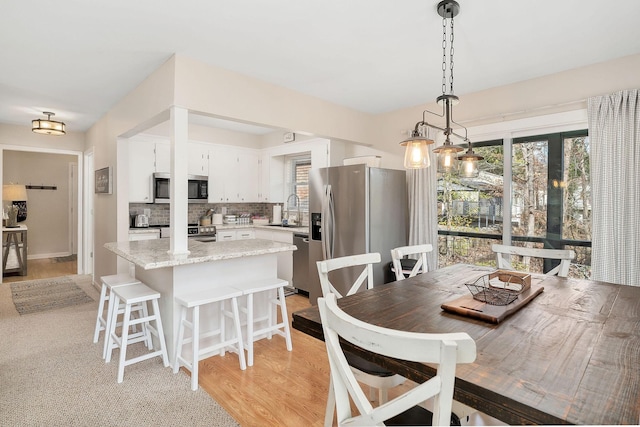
(353, 210)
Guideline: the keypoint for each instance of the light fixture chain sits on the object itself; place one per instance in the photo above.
(451, 56)
(444, 55)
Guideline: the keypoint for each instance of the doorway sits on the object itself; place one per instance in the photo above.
(53, 210)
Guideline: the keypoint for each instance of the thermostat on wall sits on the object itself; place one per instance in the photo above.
(289, 137)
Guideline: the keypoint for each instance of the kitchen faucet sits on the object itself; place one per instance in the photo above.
(297, 200)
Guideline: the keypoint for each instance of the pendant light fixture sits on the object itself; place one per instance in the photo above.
(48, 126)
(416, 155)
(447, 153)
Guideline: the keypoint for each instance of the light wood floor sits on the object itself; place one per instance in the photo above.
(281, 388)
(43, 269)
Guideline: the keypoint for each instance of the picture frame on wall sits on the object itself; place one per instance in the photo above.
(103, 181)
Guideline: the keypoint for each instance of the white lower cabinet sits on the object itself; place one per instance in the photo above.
(240, 234)
(245, 234)
(225, 235)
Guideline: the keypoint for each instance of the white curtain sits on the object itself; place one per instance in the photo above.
(423, 210)
(614, 134)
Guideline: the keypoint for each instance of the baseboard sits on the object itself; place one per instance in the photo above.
(51, 255)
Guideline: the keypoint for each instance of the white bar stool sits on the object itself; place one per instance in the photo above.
(131, 296)
(194, 301)
(282, 328)
(102, 321)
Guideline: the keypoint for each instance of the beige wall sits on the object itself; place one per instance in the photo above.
(223, 93)
(556, 93)
(12, 135)
(48, 211)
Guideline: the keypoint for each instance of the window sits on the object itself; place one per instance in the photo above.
(297, 179)
(470, 210)
(548, 205)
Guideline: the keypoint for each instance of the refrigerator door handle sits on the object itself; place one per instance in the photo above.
(326, 223)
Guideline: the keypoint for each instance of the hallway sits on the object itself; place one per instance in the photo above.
(45, 268)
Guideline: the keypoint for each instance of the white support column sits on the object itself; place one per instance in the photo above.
(179, 124)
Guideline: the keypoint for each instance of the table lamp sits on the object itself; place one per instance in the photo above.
(13, 193)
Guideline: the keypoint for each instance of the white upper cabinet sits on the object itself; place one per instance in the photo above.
(220, 159)
(271, 178)
(163, 157)
(142, 162)
(233, 175)
(198, 159)
(248, 176)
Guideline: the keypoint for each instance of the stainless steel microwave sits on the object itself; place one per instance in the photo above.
(197, 188)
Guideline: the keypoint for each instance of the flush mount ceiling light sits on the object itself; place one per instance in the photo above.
(417, 150)
(48, 126)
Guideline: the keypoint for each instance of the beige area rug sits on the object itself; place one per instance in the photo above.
(51, 374)
(32, 296)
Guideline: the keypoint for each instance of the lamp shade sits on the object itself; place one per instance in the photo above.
(447, 156)
(416, 155)
(48, 126)
(14, 192)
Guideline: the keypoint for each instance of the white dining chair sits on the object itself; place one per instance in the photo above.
(368, 373)
(443, 350)
(397, 254)
(504, 253)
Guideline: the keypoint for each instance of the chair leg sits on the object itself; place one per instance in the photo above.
(331, 406)
(123, 342)
(178, 349)
(223, 326)
(110, 338)
(195, 347)
(99, 317)
(160, 330)
(285, 318)
(236, 321)
(250, 330)
(145, 330)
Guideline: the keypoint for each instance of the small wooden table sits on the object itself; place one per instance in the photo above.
(571, 356)
(15, 237)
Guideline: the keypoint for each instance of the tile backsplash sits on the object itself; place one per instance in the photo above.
(160, 211)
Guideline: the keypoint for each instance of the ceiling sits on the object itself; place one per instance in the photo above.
(77, 58)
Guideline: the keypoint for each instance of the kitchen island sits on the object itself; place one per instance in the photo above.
(206, 266)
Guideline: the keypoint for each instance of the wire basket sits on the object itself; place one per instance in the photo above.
(501, 287)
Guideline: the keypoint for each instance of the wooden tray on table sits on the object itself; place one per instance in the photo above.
(495, 296)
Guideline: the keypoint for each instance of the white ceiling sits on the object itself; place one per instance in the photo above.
(77, 58)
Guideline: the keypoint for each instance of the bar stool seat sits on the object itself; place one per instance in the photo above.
(102, 320)
(194, 301)
(131, 296)
(249, 289)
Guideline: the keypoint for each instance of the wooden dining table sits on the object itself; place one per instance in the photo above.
(569, 356)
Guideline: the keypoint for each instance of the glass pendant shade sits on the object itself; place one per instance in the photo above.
(416, 155)
(447, 156)
(469, 164)
(469, 168)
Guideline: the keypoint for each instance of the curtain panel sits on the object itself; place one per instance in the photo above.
(423, 211)
(614, 135)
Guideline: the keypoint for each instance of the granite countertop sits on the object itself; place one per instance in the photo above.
(297, 230)
(141, 230)
(150, 254)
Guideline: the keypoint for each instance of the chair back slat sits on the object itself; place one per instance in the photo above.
(365, 277)
(421, 263)
(504, 252)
